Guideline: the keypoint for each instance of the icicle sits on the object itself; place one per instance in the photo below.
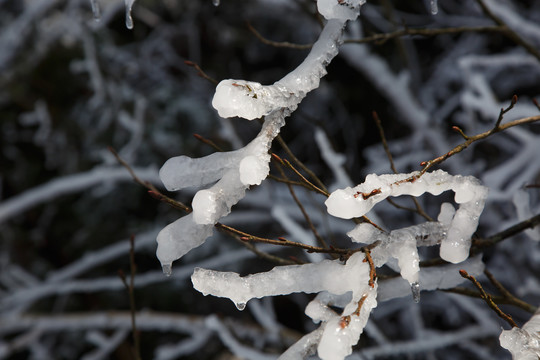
(129, 19)
(167, 269)
(434, 7)
(215, 2)
(415, 288)
(95, 9)
(240, 306)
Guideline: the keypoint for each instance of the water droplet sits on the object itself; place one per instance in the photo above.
(434, 7)
(215, 2)
(415, 288)
(95, 9)
(167, 269)
(240, 306)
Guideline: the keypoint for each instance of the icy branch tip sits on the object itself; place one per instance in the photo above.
(340, 9)
(245, 99)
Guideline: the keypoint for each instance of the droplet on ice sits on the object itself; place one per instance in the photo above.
(215, 2)
(240, 306)
(95, 9)
(167, 269)
(415, 288)
(434, 7)
(129, 19)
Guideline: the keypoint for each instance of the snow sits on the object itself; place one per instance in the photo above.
(354, 202)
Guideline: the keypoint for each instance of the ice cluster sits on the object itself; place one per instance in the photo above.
(348, 285)
(524, 343)
(231, 173)
(354, 202)
(342, 285)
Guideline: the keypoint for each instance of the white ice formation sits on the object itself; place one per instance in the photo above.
(231, 173)
(524, 343)
(345, 285)
(352, 292)
(469, 194)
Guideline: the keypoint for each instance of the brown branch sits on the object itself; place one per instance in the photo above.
(207, 142)
(508, 32)
(511, 231)
(300, 164)
(278, 44)
(382, 38)
(508, 296)
(471, 139)
(419, 208)
(372, 270)
(131, 294)
(488, 298)
(200, 72)
(284, 242)
(303, 210)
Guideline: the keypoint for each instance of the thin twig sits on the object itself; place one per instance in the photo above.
(471, 139)
(200, 72)
(207, 142)
(284, 242)
(511, 231)
(319, 238)
(131, 294)
(300, 164)
(382, 38)
(278, 44)
(419, 208)
(488, 298)
(372, 270)
(507, 295)
(511, 34)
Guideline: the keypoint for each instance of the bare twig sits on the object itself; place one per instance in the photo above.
(508, 32)
(511, 231)
(319, 238)
(419, 208)
(488, 298)
(508, 296)
(471, 139)
(300, 164)
(130, 288)
(382, 38)
(207, 142)
(278, 44)
(200, 72)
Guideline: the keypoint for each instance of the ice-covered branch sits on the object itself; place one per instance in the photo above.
(348, 281)
(524, 342)
(355, 202)
(235, 171)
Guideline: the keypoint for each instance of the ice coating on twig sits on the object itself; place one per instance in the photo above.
(400, 244)
(281, 280)
(339, 9)
(524, 343)
(233, 172)
(251, 100)
(355, 202)
(341, 331)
